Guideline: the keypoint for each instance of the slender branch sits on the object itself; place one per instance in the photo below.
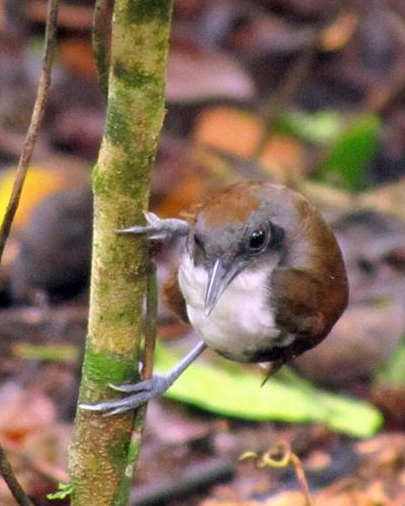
(150, 324)
(148, 352)
(36, 119)
(9, 477)
(301, 478)
(100, 45)
(105, 448)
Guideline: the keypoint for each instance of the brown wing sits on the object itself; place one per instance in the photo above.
(307, 304)
(173, 297)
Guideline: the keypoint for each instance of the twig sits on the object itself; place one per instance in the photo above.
(301, 478)
(39, 107)
(9, 477)
(36, 118)
(150, 324)
(148, 352)
(281, 456)
(99, 39)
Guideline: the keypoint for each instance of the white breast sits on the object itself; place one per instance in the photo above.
(241, 323)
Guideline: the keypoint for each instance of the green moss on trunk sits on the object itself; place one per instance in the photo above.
(102, 454)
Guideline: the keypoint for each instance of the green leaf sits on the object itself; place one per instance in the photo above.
(393, 373)
(234, 391)
(352, 151)
(48, 352)
(64, 490)
(319, 127)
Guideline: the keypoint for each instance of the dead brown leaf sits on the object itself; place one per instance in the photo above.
(240, 133)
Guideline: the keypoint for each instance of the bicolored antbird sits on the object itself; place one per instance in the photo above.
(261, 279)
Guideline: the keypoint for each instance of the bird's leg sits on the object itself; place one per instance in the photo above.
(145, 390)
(156, 229)
(159, 229)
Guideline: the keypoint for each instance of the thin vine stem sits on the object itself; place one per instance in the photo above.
(36, 119)
(150, 324)
(100, 46)
(14, 486)
(6, 470)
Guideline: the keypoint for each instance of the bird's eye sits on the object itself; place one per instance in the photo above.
(257, 240)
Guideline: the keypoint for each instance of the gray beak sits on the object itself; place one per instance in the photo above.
(218, 280)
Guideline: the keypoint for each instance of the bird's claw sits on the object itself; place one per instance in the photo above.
(142, 392)
(158, 229)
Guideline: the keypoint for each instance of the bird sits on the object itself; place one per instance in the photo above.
(260, 278)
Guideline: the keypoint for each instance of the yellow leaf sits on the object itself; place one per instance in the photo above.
(39, 183)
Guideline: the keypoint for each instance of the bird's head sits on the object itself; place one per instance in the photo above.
(231, 233)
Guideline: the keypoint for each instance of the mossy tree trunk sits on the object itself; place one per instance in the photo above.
(102, 453)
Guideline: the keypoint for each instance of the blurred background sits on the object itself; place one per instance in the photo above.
(308, 93)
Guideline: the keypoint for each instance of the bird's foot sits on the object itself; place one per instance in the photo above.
(142, 392)
(145, 390)
(158, 229)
